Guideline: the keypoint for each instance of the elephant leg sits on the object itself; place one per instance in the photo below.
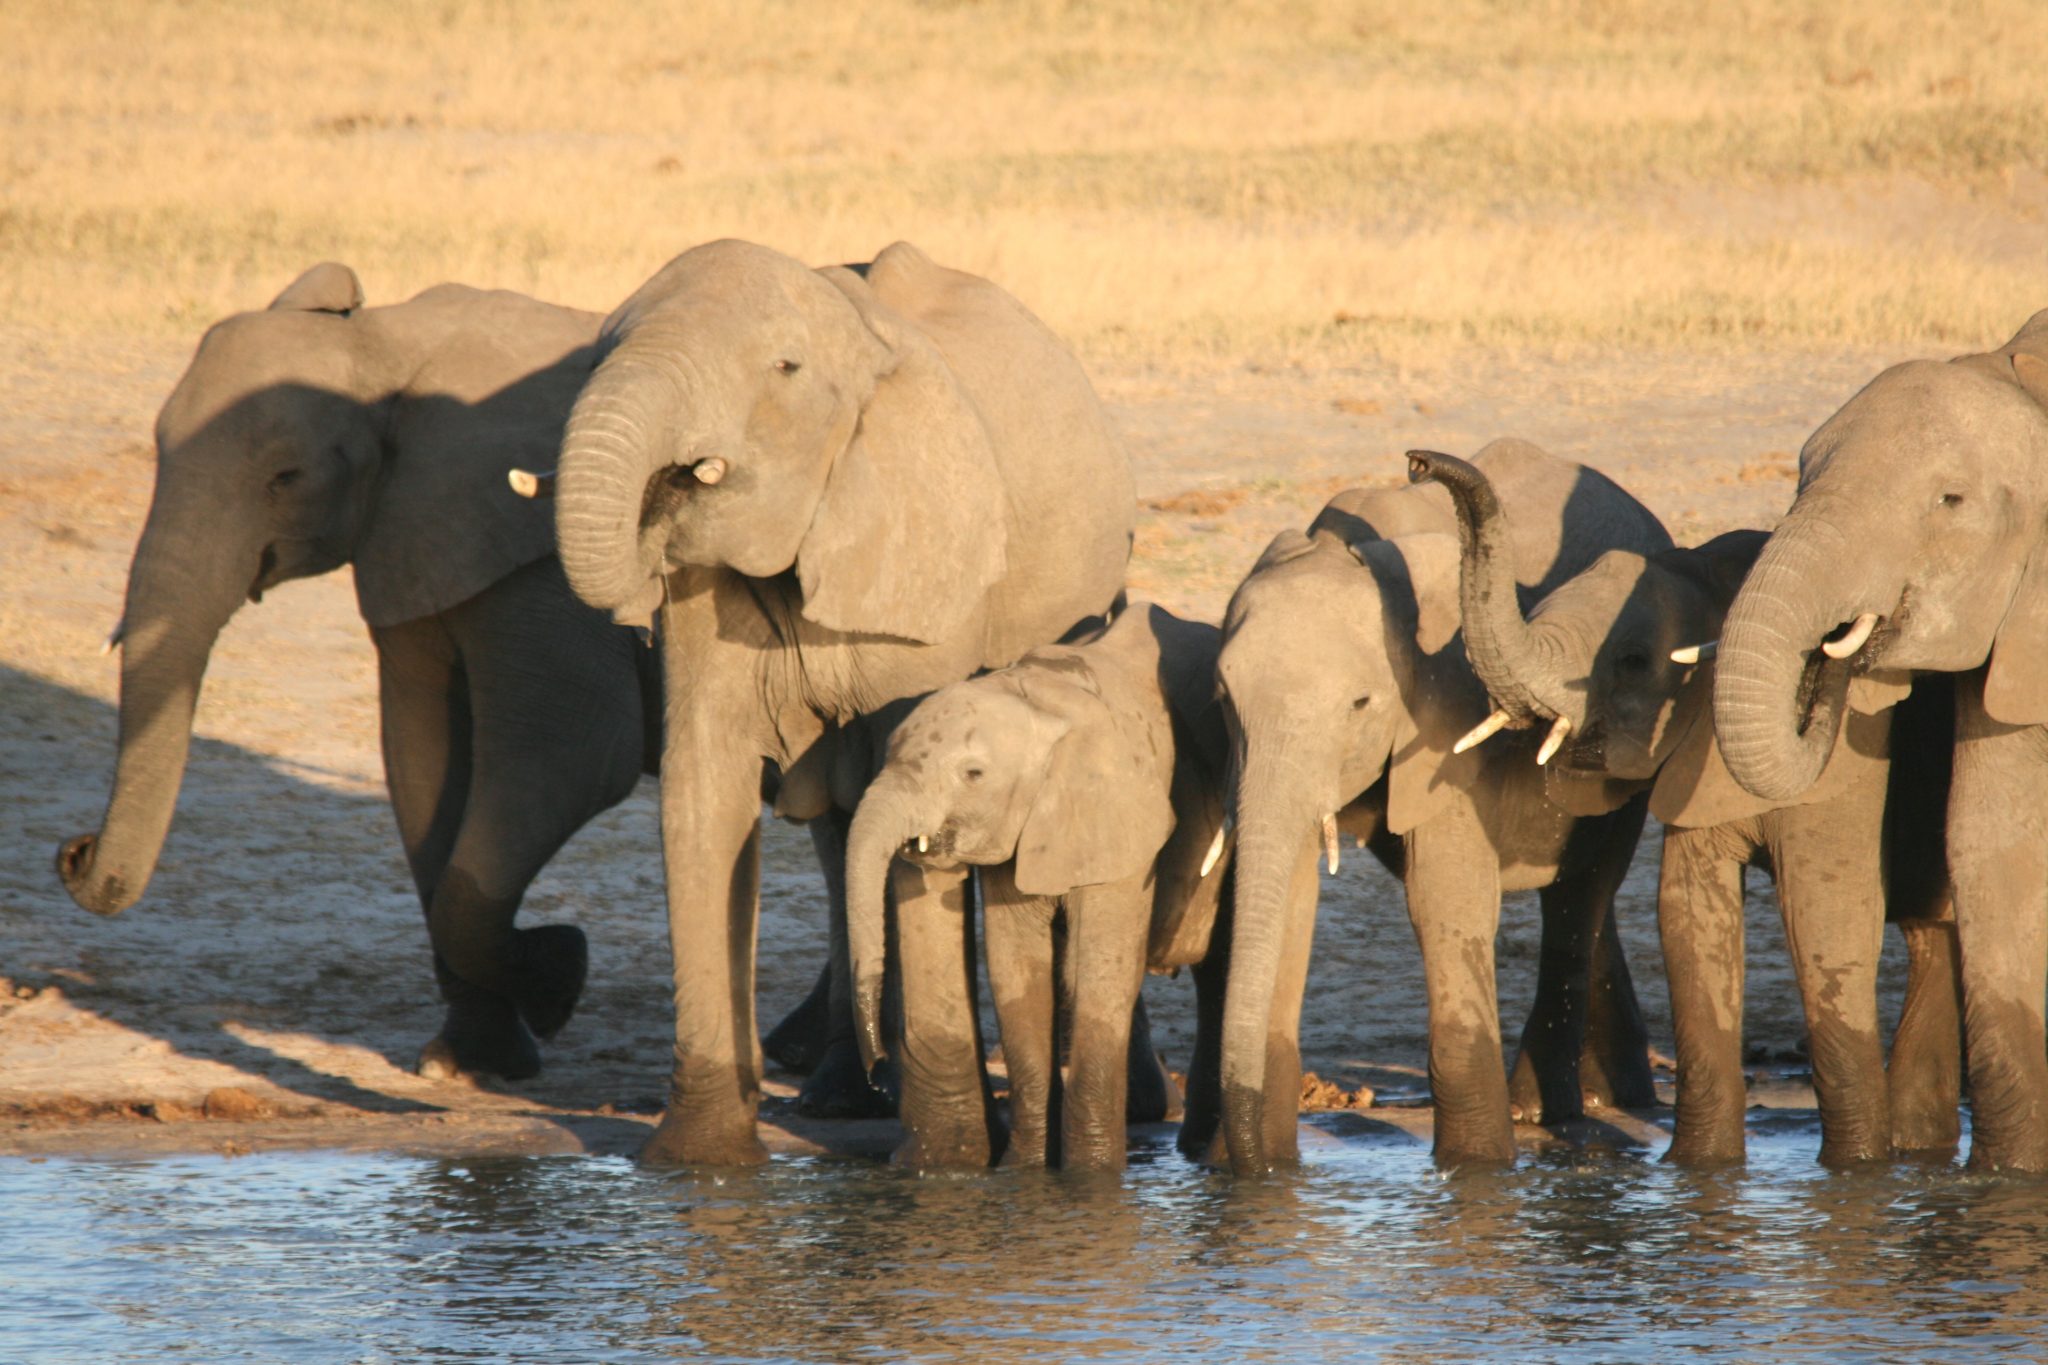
(1925, 1071)
(1699, 918)
(1021, 976)
(1151, 1097)
(1201, 1125)
(1614, 1069)
(948, 1113)
(1998, 861)
(838, 1085)
(1106, 945)
(1454, 905)
(797, 1044)
(1831, 892)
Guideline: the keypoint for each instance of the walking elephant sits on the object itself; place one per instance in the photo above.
(1346, 687)
(1078, 782)
(317, 433)
(840, 488)
(1596, 658)
(1918, 542)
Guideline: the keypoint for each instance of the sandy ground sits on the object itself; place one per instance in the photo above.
(273, 987)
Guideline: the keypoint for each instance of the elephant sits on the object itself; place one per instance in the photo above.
(1079, 782)
(1345, 685)
(840, 488)
(1613, 656)
(1917, 542)
(317, 433)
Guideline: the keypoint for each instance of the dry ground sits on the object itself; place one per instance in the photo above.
(1290, 239)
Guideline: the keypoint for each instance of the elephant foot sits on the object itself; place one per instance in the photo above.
(1852, 1155)
(1150, 1095)
(1618, 1077)
(479, 1038)
(1203, 1144)
(839, 1088)
(919, 1152)
(799, 1043)
(553, 962)
(1026, 1149)
(1543, 1092)
(1473, 1143)
(1929, 1132)
(1706, 1154)
(727, 1141)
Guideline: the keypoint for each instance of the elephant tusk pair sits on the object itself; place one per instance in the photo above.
(1482, 732)
(1853, 641)
(1215, 853)
(1330, 841)
(531, 485)
(115, 637)
(1695, 654)
(1552, 742)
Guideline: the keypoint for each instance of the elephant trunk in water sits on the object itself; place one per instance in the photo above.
(185, 583)
(1778, 700)
(887, 818)
(1520, 666)
(603, 486)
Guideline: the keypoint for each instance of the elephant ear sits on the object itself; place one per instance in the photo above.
(908, 537)
(1104, 807)
(2013, 689)
(1440, 699)
(328, 287)
(491, 393)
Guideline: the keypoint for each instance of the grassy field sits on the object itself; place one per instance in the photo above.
(1165, 182)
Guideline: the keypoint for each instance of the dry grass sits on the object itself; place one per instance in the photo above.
(1289, 180)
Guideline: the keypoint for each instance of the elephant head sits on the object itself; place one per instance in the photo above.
(1339, 665)
(1063, 762)
(1918, 540)
(755, 415)
(302, 437)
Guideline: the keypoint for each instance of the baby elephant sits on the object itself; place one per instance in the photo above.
(1079, 781)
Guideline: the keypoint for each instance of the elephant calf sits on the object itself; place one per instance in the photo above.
(1078, 781)
(317, 433)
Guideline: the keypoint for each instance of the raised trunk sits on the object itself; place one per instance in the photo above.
(182, 589)
(885, 820)
(608, 454)
(1777, 700)
(1520, 668)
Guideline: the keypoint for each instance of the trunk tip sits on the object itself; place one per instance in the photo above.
(77, 869)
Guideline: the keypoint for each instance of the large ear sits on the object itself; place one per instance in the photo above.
(908, 537)
(1105, 806)
(329, 287)
(1440, 699)
(491, 394)
(2016, 687)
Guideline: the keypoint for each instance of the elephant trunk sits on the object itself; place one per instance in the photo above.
(1274, 816)
(1520, 666)
(887, 818)
(1778, 701)
(608, 453)
(182, 588)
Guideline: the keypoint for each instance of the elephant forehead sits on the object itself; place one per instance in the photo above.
(1913, 415)
(268, 363)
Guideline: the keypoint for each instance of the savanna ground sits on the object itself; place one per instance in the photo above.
(1289, 240)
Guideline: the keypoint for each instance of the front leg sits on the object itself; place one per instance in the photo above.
(1998, 859)
(1106, 946)
(948, 1111)
(1699, 916)
(1020, 974)
(1454, 904)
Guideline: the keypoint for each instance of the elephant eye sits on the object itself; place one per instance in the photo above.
(789, 366)
(1360, 703)
(285, 478)
(1949, 500)
(972, 774)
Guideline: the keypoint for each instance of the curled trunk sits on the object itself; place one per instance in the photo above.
(885, 820)
(601, 486)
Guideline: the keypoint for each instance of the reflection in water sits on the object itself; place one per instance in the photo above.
(1586, 1256)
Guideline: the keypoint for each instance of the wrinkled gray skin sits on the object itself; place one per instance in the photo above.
(1346, 686)
(1924, 503)
(318, 433)
(1857, 845)
(1057, 777)
(840, 487)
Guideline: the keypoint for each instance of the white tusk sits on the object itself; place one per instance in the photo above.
(1481, 732)
(1215, 853)
(923, 844)
(709, 471)
(114, 638)
(1330, 841)
(1554, 741)
(1853, 641)
(1692, 654)
(528, 484)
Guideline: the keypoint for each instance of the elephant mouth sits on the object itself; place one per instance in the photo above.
(937, 849)
(266, 574)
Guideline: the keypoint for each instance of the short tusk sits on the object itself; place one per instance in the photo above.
(115, 637)
(923, 844)
(528, 484)
(1215, 853)
(1853, 641)
(1330, 841)
(1554, 741)
(709, 471)
(1693, 654)
(1481, 732)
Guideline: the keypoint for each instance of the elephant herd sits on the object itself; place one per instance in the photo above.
(875, 524)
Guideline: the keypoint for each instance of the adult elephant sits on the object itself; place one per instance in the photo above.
(1596, 657)
(1918, 541)
(840, 487)
(317, 433)
(1346, 688)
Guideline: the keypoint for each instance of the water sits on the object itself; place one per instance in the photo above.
(1368, 1252)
